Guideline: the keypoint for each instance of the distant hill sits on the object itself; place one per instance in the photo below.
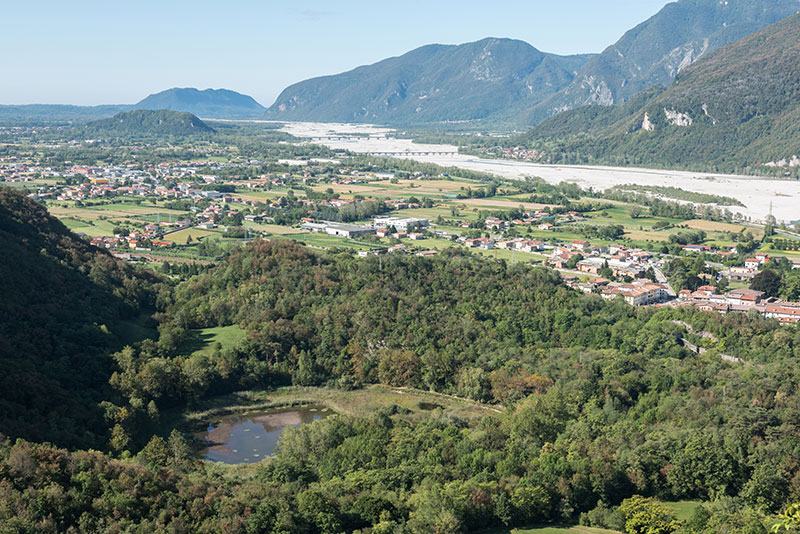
(431, 84)
(147, 122)
(209, 103)
(735, 110)
(63, 305)
(655, 51)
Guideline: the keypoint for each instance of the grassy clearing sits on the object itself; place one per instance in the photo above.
(133, 210)
(71, 222)
(500, 254)
(414, 405)
(95, 228)
(422, 187)
(177, 254)
(135, 330)
(511, 255)
(75, 213)
(562, 234)
(683, 509)
(203, 341)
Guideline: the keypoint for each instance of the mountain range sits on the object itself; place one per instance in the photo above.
(655, 51)
(738, 109)
(502, 81)
(431, 84)
(208, 103)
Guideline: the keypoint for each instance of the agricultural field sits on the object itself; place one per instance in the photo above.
(401, 189)
(351, 189)
(621, 215)
(715, 226)
(508, 255)
(491, 203)
(274, 229)
(120, 211)
(439, 210)
(262, 196)
(182, 236)
(640, 236)
(328, 241)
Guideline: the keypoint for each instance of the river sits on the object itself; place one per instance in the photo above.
(759, 195)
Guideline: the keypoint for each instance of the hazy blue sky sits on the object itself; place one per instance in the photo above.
(118, 52)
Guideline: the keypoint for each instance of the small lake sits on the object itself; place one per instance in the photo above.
(249, 438)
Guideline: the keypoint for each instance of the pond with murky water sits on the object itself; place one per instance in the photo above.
(249, 438)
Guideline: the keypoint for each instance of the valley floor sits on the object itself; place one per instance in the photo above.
(760, 196)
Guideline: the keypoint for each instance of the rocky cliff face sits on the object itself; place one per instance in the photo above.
(736, 109)
(657, 50)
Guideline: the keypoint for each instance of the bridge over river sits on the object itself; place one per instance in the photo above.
(406, 153)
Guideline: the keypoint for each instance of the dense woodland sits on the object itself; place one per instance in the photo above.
(149, 122)
(599, 404)
(63, 309)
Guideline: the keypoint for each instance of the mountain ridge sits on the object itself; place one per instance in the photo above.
(209, 103)
(736, 110)
(431, 83)
(684, 31)
(509, 82)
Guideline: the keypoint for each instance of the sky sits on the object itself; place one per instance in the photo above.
(89, 52)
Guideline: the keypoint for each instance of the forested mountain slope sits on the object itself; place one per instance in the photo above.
(430, 84)
(655, 51)
(147, 123)
(61, 307)
(735, 110)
